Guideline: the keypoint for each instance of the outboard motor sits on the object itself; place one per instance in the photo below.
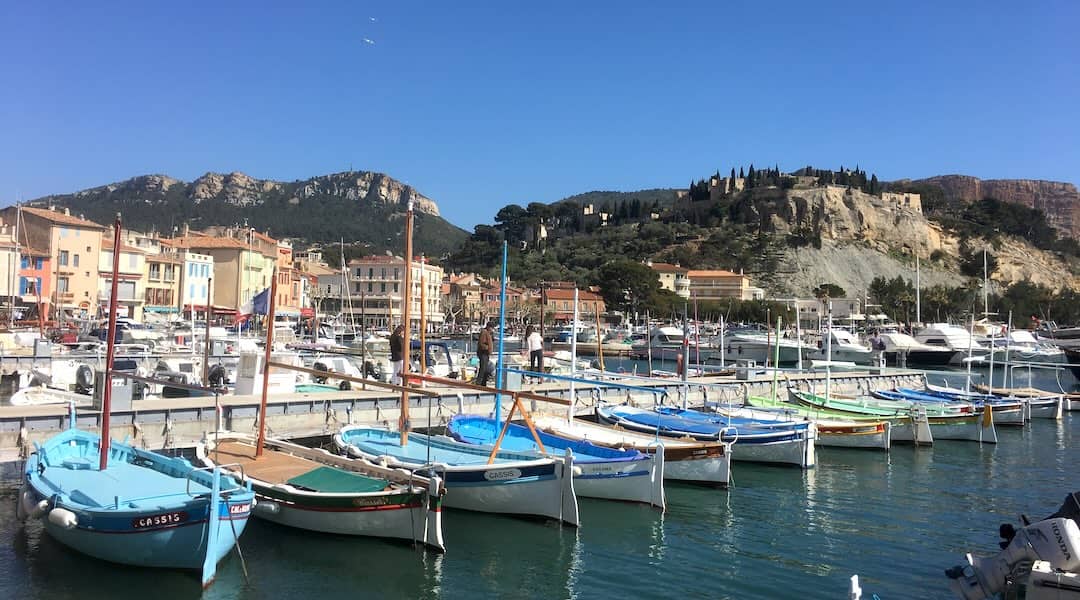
(84, 380)
(216, 376)
(319, 366)
(1055, 540)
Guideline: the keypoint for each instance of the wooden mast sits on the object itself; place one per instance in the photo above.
(406, 302)
(423, 316)
(266, 363)
(106, 394)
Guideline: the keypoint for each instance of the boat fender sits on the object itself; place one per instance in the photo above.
(344, 386)
(62, 517)
(267, 507)
(440, 467)
(319, 366)
(216, 376)
(26, 508)
(576, 471)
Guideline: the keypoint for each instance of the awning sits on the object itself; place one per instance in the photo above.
(160, 309)
(307, 312)
(286, 312)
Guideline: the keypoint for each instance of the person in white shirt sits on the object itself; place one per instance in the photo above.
(535, 344)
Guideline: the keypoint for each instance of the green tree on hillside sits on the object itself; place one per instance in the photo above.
(829, 290)
(626, 284)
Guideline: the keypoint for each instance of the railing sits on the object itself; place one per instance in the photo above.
(243, 477)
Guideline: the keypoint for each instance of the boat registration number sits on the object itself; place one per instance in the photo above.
(502, 474)
(161, 520)
(239, 509)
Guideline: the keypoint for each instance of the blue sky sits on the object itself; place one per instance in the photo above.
(481, 104)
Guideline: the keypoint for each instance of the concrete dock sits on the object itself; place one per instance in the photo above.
(167, 423)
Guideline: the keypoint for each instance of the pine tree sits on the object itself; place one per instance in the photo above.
(750, 177)
(741, 174)
(874, 186)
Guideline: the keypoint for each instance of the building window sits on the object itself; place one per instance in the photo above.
(396, 276)
(25, 263)
(395, 288)
(62, 284)
(202, 292)
(191, 291)
(75, 260)
(155, 271)
(63, 257)
(382, 288)
(383, 274)
(133, 261)
(370, 273)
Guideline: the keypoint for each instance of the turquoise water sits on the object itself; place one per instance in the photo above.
(896, 519)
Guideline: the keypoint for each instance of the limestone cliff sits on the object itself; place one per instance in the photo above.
(1060, 201)
(859, 236)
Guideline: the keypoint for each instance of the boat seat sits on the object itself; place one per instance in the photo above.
(76, 463)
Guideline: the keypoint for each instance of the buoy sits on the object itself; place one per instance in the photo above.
(63, 517)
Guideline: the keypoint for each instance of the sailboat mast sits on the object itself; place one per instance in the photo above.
(971, 348)
(573, 361)
(15, 268)
(501, 364)
(918, 292)
(986, 289)
(828, 354)
(406, 304)
(423, 316)
(106, 394)
(266, 363)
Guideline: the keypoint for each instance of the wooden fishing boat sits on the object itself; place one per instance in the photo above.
(792, 444)
(1007, 410)
(684, 460)
(516, 484)
(144, 509)
(606, 473)
(131, 506)
(851, 432)
(312, 489)
(929, 421)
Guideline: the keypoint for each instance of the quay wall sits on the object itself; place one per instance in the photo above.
(173, 423)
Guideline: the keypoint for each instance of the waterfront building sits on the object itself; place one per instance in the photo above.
(559, 305)
(376, 286)
(711, 285)
(672, 277)
(9, 262)
(464, 299)
(35, 279)
(197, 274)
(73, 245)
(162, 275)
(130, 286)
(243, 263)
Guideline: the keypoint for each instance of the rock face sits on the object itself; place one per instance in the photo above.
(862, 237)
(1060, 201)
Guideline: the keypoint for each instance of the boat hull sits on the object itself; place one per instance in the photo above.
(539, 488)
(404, 516)
(1045, 408)
(706, 463)
(869, 437)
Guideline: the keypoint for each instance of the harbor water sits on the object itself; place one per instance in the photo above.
(896, 519)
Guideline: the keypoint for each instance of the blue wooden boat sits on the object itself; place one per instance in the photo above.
(132, 506)
(791, 445)
(144, 509)
(515, 483)
(605, 473)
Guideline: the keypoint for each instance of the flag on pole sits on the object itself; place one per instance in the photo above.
(258, 305)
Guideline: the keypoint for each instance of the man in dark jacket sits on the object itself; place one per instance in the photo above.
(397, 351)
(483, 353)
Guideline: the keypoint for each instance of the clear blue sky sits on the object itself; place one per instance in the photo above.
(480, 104)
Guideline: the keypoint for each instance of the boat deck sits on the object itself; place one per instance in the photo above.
(276, 467)
(131, 485)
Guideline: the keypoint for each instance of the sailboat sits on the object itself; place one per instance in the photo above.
(314, 490)
(170, 513)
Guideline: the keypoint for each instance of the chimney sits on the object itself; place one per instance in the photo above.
(187, 229)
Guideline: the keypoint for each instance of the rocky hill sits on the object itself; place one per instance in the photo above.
(859, 236)
(1060, 201)
(357, 205)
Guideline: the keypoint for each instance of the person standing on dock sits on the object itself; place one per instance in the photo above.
(535, 344)
(483, 353)
(397, 351)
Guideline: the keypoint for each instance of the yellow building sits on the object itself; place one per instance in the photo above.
(74, 248)
(717, 284)
(131, 286)
(162, 276)
(243, 263)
